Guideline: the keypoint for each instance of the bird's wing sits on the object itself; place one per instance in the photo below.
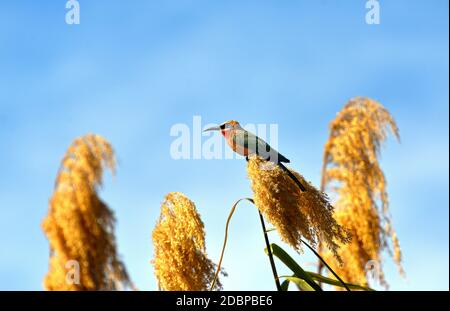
(248, 140)
(256, 145)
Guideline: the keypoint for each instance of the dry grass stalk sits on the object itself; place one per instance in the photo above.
(79, 226)
(294, 213)
(180, 260)
(351, 169)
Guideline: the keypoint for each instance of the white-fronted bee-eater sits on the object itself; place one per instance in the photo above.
(246, 144)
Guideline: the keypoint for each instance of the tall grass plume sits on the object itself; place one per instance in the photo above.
(352, 171)
(294, 213)
(79, 225)
(180, 259)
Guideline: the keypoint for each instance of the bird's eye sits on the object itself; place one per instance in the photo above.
(222, 127)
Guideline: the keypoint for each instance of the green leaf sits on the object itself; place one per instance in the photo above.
(285, 285)
(326, 265)
(295, 267)
(323, 279)
(301, 284)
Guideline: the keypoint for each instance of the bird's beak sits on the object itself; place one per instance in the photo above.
(214, 128)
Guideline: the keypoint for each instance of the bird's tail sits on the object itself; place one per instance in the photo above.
(292, 176)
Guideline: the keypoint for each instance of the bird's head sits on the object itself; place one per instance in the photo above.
(225, 127)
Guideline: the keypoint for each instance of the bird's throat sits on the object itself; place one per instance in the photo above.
(226, 133)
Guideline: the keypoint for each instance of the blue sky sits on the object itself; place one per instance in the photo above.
(130, 71)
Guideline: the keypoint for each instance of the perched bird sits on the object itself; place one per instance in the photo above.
(246, 144)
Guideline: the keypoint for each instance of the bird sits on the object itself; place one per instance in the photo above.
(246, 144)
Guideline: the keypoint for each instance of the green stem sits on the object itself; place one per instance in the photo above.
(269, 252)
(326, 265)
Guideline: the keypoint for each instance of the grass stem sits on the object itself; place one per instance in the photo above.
(269, 252)
(326, 265)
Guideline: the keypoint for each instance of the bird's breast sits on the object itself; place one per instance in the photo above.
(235, 144)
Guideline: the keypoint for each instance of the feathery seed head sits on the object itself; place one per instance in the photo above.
(352, 170)
(79, 226)
(294, 213)
(180, 260)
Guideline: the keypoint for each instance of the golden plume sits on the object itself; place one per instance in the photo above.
(180, 259)
(294, 213)
(79, 226)
(351, 169)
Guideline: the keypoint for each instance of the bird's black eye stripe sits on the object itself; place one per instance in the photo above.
(222, 127)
